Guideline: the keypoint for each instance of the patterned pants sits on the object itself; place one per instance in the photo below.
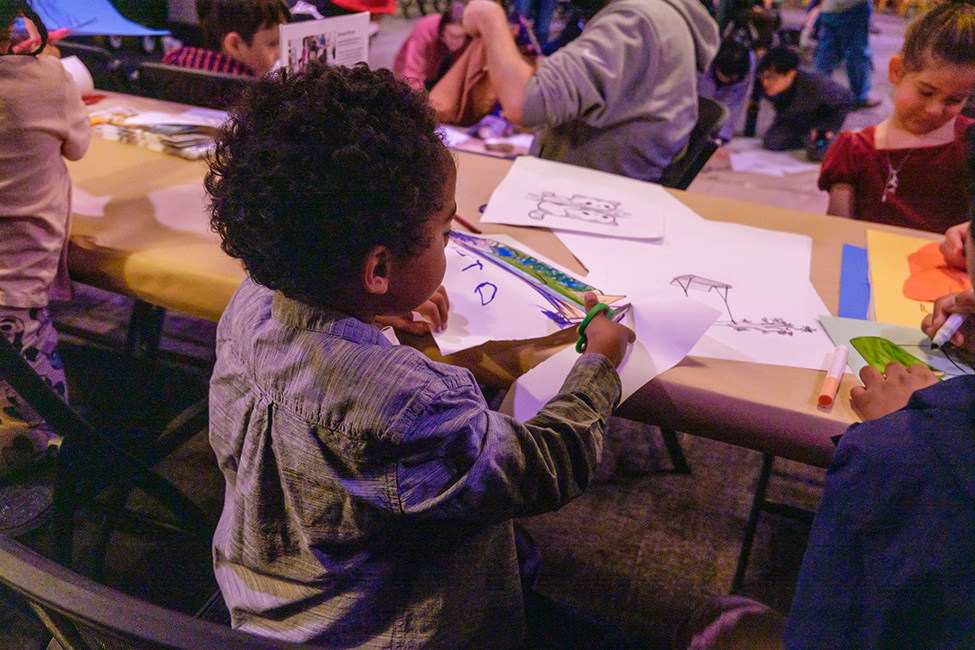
(24, 437)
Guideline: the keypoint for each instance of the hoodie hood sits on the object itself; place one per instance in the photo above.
(704, 29)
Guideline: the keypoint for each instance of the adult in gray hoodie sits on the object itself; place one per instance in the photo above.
(621, 98)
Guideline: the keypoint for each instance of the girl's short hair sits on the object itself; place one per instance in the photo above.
(946, 33)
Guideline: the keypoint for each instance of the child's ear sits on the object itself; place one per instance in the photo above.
(232, 44)
(375, 270)
(895, 69)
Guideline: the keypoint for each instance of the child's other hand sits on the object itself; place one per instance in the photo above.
(885, 393)
(605, 337)
(954, 303)
(953, 245)
(433, 312)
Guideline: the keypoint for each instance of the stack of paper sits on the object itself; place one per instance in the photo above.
(187, 135)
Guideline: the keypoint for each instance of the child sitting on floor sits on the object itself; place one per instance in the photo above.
(805, 102)
(728, 81)
(431, 48)
(908, 170)
(240, 37)
(369, 490)
(42, 119)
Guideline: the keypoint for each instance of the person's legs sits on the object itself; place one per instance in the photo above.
(856, 49)
(24, 436)
(828, 52)
(544, 10)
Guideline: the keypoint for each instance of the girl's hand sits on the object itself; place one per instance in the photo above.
(885, 393)
(605, 337)
(953, 245)
(955, 303)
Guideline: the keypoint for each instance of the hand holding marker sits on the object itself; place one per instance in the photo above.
(947, 330)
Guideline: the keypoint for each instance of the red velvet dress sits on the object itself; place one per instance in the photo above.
(932, 190)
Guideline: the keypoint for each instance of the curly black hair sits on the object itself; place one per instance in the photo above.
(316, 168)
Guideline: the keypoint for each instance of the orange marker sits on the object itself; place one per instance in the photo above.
(833, 377)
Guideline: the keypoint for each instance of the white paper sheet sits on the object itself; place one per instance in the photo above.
(666, 330)
(489, 303)
(88, 205)
(182, 208)
(79, 73)
(770, 163)
(548, 194)
(911, 339)
(758, 279)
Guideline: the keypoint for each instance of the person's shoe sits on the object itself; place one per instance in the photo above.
(869, 102)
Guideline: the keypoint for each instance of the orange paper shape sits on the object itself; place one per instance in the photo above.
(930, 277)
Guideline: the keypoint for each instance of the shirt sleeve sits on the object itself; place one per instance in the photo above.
(465, 462)
(582, 79)
(839, 164)
(78, 134)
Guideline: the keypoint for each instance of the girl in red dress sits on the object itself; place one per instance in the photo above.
(909, 169)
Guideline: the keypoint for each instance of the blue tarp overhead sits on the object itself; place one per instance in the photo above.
(107, 20)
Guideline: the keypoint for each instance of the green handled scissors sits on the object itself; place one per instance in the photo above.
(613, 314)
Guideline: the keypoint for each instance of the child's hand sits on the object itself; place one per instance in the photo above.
(605, 337)
(955, 303)
(885, 393)
(433, 313)
(953, 246)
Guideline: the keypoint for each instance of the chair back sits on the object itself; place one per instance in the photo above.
(82, 614)
(92, 460)
(188, 86)
(711, 116)
(106, 69)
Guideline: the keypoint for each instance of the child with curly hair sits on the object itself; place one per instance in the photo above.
(908, 170)
(42, 121)
(369, 490)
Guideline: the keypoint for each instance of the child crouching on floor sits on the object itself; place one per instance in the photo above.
(369, 490)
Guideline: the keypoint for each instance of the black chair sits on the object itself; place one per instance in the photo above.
(106, 69)
(82, 614)
(188, 86)
(97, 469)
(711, 116)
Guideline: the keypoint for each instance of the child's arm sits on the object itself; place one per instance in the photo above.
(841, 201)
(78, 122)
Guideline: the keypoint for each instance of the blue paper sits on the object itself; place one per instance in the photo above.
(854, 283)
(107, 20)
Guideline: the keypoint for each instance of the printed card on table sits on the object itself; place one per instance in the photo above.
(554, 195)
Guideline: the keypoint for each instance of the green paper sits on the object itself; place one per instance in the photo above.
(878, 352)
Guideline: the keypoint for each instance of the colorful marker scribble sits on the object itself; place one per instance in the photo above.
(562, 291)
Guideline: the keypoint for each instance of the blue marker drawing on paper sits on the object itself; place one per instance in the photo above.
(563, 293)
(486, 291)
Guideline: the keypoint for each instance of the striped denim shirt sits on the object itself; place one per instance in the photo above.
(370, 490)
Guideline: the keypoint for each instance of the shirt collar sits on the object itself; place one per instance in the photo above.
(304, 316)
